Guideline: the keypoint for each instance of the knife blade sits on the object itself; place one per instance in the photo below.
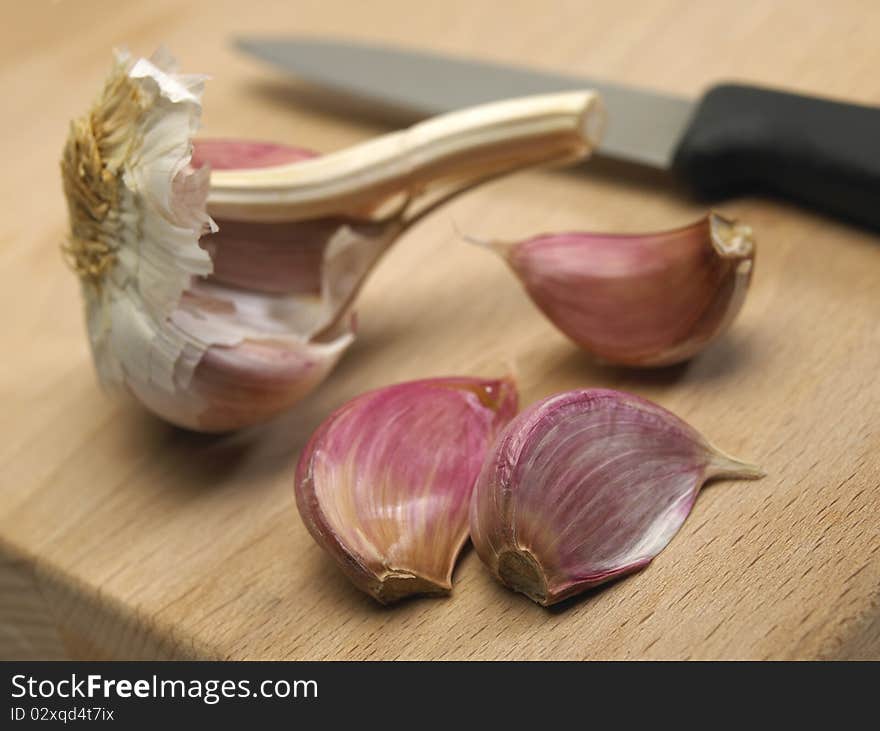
(734, 139)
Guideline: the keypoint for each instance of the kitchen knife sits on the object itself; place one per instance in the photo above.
(735, 139)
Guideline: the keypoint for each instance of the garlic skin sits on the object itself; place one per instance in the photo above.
(217, 330)
(587, 486)
(384, 484)
(639, 300)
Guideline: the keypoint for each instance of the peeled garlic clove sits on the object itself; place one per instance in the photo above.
(639, 300)
(384, 484)
(266, 257)
(587, 486)
(323, 257)
(270, 257)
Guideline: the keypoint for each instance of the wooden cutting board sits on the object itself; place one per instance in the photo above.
(121, 537)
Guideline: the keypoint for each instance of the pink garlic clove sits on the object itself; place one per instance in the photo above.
(587, 486)
(384, 484)
(238, 154)
(328, 256)
(244, 384)
(295, 257)
(639, 300)
(266, 257)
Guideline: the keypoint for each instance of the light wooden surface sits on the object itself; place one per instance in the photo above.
(121, 537)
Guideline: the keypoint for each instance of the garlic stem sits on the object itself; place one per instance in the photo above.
(481, 141)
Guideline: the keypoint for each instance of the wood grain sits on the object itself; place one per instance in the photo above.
(121, 537)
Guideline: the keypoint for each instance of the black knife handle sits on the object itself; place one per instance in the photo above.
(825, 154)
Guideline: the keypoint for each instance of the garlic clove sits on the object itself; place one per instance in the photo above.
(266, 257)
(587, 486)
(384, 484)
(265, 355)
(163, 288)
(639, 300)
(244, 384)
(238, 154)
(270, 257)
(326, 257)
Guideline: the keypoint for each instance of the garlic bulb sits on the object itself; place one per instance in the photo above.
(639, 300)
(384, 484)
(587, 486)
(215, 330)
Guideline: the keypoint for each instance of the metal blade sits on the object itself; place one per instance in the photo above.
(643, 126)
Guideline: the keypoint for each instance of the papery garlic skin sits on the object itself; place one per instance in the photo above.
(587, 486)
(384, 484)
(639, 300)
